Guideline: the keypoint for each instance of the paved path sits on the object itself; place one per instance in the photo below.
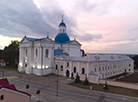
(48, 93)
(66, 93)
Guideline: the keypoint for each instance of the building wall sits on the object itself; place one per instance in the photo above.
(13, 97)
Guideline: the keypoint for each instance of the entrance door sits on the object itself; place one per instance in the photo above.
(67, 73)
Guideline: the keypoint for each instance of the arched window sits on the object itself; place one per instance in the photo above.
(99, 68)
(56, 66)
(83, 71)
(67, 64)
(95, 69)
(61, 68)
(46, 53)
(26, 52)
(63, 30)
(36, 53)
(74, 69)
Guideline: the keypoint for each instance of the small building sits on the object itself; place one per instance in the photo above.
(9, 93)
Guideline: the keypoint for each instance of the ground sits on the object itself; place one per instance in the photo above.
(49, 81)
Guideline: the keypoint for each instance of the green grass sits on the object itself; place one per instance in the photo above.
(112, 89)
(9, 68)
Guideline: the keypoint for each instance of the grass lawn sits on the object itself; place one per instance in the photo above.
(112, 89)
(9, 68)
(131, 78)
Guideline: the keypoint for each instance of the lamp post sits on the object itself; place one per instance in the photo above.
(57, 81)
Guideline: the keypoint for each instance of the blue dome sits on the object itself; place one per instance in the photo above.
(62, 24)
(62, 37)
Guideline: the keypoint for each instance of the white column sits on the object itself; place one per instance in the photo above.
(70, 68)
(78, 68)
(29, 62)
(40, 57)
(22, 56)
(64, 70)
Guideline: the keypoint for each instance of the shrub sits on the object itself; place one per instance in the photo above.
(77, 80)
(86, 82)
(105, 86)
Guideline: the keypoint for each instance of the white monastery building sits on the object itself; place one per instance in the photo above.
(65, 57)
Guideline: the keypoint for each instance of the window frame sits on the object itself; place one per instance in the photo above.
(83, 70)
(61, 68)
(74, 69)
(46, 53)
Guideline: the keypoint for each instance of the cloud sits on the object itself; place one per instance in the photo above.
(23, 16)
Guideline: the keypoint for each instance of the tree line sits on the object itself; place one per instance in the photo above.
(10, 54)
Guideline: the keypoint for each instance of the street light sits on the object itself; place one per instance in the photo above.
(57, 81)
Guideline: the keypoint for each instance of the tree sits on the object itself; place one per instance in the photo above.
(1, 54)
(135, 58)
(11, 54)
(38, 92)
(77, 80)
(105, 86)
(86, 82)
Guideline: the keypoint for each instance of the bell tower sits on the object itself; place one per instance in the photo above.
(62, 26)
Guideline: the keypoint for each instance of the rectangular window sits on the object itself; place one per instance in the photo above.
(99, 68)
(2, 97)
(67, 64)
(95, 69)
(36, 53)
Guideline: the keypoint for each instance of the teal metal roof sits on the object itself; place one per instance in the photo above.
(62, 38)
(33, 39)
(59, 52)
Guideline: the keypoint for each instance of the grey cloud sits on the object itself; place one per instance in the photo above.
(132, 29)
(23, 16)
(89, 37)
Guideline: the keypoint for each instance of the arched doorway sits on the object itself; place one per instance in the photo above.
(67, 73)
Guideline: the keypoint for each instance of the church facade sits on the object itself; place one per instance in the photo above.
(64, 56)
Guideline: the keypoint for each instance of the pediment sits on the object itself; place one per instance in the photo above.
(24, 40)
(47, 40)
(75, 42)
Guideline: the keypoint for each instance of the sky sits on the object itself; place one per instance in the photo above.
(101, 26)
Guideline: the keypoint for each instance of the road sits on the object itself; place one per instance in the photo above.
(48, 93)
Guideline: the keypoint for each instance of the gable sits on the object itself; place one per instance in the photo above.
(75, 42)
(47, 40)
(24, 40)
